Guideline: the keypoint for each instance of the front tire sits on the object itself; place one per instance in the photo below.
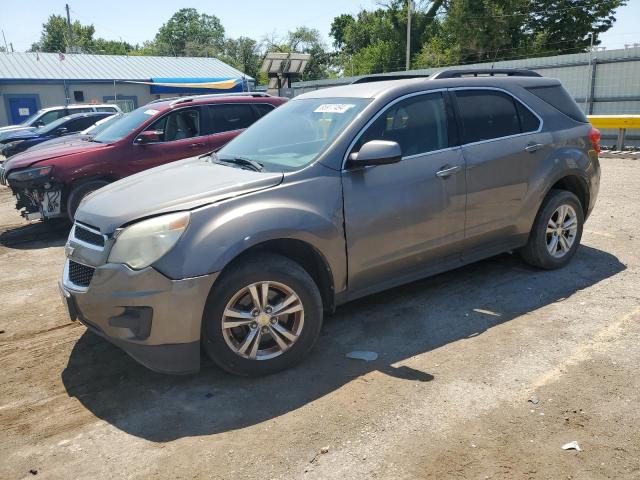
(262, 316)
(556, 231)
(79, 192)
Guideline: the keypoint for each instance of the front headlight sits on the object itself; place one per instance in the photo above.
(10, 145)
(142, 243)
(29, 174)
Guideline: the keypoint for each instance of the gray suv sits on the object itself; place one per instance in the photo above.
(338, 194)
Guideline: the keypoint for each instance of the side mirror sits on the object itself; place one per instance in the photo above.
(376, 152)
(148, 136)
(61, 131)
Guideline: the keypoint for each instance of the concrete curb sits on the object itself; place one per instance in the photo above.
(619, 153)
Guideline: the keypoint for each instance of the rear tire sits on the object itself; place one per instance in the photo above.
(79, 192)
(556, 231)
(243, 333)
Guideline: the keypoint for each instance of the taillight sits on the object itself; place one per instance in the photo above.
(594, 136)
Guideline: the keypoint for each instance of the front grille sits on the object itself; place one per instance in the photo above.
(80, 274)
(88, 236)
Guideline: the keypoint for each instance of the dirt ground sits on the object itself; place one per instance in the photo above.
(483, 372)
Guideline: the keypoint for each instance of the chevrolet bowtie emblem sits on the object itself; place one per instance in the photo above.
(68, 250)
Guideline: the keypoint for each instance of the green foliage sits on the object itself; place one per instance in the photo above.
(55, 35)
(491, 30)
(466, 31)
(375, 41)
(110, 47)
(444, 32)
(190, 33)
(306, 40)
(244, 54)
(563, 26)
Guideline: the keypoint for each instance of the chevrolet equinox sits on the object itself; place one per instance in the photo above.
(338, 194)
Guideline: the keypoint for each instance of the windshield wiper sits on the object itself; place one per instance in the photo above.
(245, 162)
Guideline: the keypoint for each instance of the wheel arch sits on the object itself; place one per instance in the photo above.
(304, 254)
(576, 184)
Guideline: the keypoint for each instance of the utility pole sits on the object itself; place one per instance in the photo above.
(70, 48)
(589, 86)
(6, 49)
(408, 59)
(11, 45)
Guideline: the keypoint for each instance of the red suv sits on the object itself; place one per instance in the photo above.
(51, 182)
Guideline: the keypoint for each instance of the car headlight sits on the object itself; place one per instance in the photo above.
(142, 243)
(29, 174)
(10, 145)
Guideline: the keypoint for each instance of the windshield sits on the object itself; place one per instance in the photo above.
(100, 125)
(51, 126)
(29, 120)
(125, 125)
(294, 134)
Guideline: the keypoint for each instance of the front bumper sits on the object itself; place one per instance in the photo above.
(154, 319)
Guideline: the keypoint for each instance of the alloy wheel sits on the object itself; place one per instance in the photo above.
(562, 228)
(262, 320)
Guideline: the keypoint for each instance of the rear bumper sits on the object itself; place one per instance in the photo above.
(154, 319)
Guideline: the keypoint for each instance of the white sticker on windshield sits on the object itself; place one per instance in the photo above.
(334, 107)
(151, 111)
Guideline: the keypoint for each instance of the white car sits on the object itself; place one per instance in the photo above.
(47, 115)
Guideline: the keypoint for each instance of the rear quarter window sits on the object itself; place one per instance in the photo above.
(558, 97)
(263, 108)
(106, 109)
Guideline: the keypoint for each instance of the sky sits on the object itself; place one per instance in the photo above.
(138, 20)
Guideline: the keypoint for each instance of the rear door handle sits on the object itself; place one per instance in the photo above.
(445, 171)
(197, 145)
(533, 147)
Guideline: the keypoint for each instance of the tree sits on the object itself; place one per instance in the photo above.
(375, 41)
(561, 26)
(110, 47)
(189, 32)
(305, 40)
(55, 35)
(491, 30)
(244, 54)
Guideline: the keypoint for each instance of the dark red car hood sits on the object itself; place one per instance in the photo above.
(29, 158)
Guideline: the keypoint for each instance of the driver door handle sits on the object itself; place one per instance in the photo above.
(533, 147)
(445, 171)
(197, 145)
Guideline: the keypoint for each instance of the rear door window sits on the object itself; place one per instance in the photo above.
(418, 124)
(486, 114)
(528, 121)
(178, 125)
(263, 108)
(81, 110)
(232, 116)
(52, 115)
(78, 124)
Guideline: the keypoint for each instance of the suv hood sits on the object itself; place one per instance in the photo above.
(30, 157)
(19, 135)
(181, 185)
(5, 132)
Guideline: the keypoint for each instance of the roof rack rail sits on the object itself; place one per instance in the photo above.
(383, 78)
(509, 72)
(158, 100)
(191, 98)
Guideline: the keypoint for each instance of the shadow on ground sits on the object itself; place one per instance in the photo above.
(396, 324)
(52, 233)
